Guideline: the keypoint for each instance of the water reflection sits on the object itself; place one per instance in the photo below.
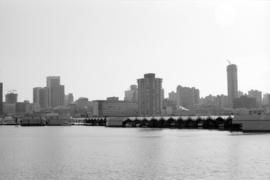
(131, 153)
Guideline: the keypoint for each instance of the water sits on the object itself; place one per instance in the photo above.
(99, 153)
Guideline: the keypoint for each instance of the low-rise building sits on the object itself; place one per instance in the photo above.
(114, 108)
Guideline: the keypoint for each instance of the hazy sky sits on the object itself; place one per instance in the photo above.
(100, 47)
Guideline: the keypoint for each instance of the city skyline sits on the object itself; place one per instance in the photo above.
(110, 44)
(134, 89)
(55, 80)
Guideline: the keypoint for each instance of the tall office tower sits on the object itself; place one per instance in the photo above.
(257, 95)
(36, 95)
(41, 98)
(232, 83)
(266, 99)
(149, 95)
(131, 95)
(53, 81)
(36, 99)
(1, 98)
(69, 99)
(11, 98)
(187, 97)
(44, 98)
(172, 96)
(162, 97)
(56, 91)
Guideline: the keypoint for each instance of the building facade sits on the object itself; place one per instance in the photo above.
(257, 95)
(1, 98)
(69, 99)
(40, 98)
(116, 108)
(244, 102)
(150, 95)
(172, 96)
(232, 84)
(56, 91)
(266, 99)
(187, 97)
(11, 98)
(131, 95)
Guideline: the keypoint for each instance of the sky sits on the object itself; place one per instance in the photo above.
(101, 47)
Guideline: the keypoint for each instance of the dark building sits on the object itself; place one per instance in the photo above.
(69, 99)
(44, 98)
(36, 94)
(82, 103)
(56, 91)
(232, 83)
(131, 95)
(41, 97)
(245, 102)
(114, 108)
(150, 95)
(1, 98)
(20, 107)
(11, 98)
(187, 97)
(257, 95)
(169, 107)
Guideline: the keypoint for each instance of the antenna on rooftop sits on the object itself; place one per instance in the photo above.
(229, 61)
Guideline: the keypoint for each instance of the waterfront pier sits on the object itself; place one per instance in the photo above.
(180, 122)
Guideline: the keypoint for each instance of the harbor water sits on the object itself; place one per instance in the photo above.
(100, 153)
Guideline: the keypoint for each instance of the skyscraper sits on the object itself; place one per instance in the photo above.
(1, 98)
(41, 97)
(69, 99)
(266, 99)
(187, 97)
(232, 82)
(11, 98)
(53, 81)
(257, 95)
(149, 95)
(56, 91)
(44, 98)
(36, 95)
(131, 95)
(172, 96)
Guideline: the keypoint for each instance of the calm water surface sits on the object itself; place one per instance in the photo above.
(125, 153)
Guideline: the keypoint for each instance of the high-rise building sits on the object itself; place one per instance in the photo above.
(149, 95)
(56, 91)
(232, 83)
(240, 93)
(44, 98)
(36, 95)
(187, 97)
(266, 99)
(218, 102)
(41, 98)
(11, 98)
(257, 95)
(69, 99)
(131, 95)
(1, 98)
(172, 96)
(53, 81)
(244, 102)
(114, 108)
